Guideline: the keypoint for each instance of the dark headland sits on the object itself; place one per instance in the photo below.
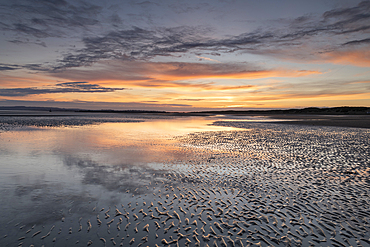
(345, 116)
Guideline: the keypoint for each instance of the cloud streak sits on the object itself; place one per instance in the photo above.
(178, 76)
(5, 67)
(96, 104)
(67, 87)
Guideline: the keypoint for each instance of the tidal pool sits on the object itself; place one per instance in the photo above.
(196, 181)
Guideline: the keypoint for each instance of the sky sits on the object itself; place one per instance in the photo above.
(184, 55)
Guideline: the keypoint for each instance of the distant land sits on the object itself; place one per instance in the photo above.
(343, 110)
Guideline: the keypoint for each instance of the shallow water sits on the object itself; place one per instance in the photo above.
(106, 181)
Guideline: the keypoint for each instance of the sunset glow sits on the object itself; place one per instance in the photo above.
(177, 56)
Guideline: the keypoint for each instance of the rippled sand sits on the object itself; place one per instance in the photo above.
(258, 184)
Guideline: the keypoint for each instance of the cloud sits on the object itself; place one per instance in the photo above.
(26, 29)
(82, 86)
(309, 36)
(4, 67)
(26, 41)
(175, 74)
(98, 105)
(305, 96)
(316, 89)
(360, 58)
(67, 87)
(135, 44)
(208, 59)
(42, 19)
(191, 99)
(146, 3)
(143, 44)
(357, 42)
(181, 7)
(356, 82)
(177, 71)
(348, 16)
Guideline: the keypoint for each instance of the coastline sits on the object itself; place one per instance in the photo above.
(354, 121)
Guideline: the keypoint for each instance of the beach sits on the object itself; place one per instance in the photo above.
(149, 180)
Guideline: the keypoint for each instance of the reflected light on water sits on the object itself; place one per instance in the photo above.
(43, 168)
(33, 150)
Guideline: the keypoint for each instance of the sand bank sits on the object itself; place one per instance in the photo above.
(356, 121)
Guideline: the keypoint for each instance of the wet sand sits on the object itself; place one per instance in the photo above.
(356, 121)
(258, 184)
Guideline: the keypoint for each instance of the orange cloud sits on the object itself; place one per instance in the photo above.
(248, 75)
(182, 71)
(24, 79)
(173, 75)
(192, 84)
(359, 82)
(359, 58)
(300, 96)
(210, 86)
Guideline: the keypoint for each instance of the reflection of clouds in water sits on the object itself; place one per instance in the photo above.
(44, 203)
(113, 178)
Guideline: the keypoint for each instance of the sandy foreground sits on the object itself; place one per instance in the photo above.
(255, 184)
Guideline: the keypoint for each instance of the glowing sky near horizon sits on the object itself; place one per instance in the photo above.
(184, 55)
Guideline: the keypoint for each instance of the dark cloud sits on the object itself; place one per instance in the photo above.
(67, 87)
(191, 99)
(42, 18)
(358, 42)
(141, 44)
(135, 44)
(146, 3)
(4, 67)
(53, 2)
(348, 20)
(116, 20)
(26, 41)
(359, 12)
(31, 66)
(185, 7)
(38, 67)
(35, 66)
(24, 28)
(81, 86)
